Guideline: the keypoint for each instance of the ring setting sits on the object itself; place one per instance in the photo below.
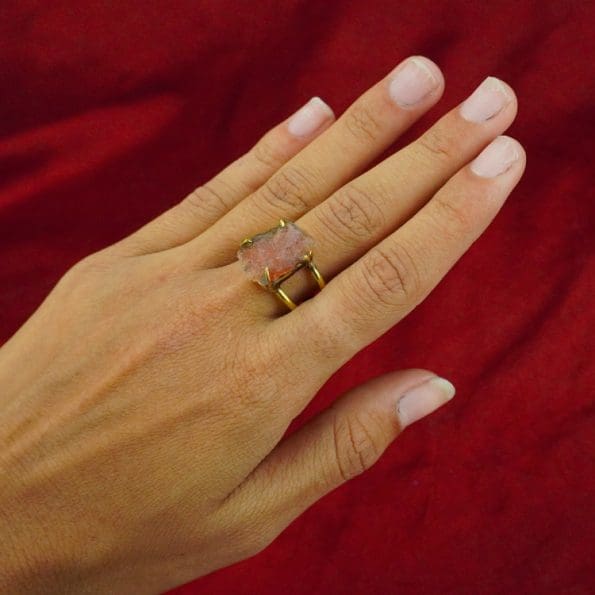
(271, 257)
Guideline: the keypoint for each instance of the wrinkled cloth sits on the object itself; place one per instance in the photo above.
(110, 112)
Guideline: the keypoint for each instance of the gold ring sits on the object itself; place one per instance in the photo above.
(271, 257)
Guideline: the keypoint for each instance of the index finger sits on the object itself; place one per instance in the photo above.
(378, 290)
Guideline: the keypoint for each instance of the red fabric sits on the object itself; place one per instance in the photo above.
(112, 111)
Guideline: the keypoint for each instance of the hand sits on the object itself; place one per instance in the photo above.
(144, 404)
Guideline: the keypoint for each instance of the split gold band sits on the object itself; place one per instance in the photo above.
(307, 263)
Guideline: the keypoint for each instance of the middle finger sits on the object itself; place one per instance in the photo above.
(366, 210)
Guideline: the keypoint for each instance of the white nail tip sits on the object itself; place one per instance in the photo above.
(445, 386)
(412, 82)
(494, 84)
(322, 104)
(487, 101)
(423, 66)
(309, 117)
(497, 158)
(424, 399)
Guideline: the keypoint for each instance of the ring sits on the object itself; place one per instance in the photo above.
(271, 257)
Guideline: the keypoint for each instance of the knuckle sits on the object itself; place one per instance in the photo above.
(392, 275)
(197, 316)
(355, 449)
(207, 199)
(99, 280)
(199, 319)
(89, 267)
(259, 541)
(352, 214)
(327, 342)
(361, 123)
(288, 190)
(267, 154)
(452, 216)
(82, 268)
(251, 538)
(250, 358)
(437, 145)
(199, 323)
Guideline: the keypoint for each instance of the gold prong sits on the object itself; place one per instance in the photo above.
(308, 257)
(267, 275)
(246, 242)
(282, 223)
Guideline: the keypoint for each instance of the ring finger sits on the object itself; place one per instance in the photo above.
(364, 131)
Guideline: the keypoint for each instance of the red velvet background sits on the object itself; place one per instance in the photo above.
(112, 111)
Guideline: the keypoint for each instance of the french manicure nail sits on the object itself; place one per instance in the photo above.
(496, 158)
(424, 399)
(309, 117)
(413, 81)
(488, 100)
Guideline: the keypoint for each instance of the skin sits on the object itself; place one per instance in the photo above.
(144, 404)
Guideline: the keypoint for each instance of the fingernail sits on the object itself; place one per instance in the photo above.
(424, 399)
(496, 158)
(489, 99)
(309, 117)
(413, 81)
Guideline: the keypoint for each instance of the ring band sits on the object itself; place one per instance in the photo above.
(272, 257)
(306, 263)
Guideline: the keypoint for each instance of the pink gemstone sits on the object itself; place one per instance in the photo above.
(281, 249)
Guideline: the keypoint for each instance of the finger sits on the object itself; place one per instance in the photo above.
(366, 210)
(209, 202)
(366, 129)
(374, 293)
(332, 448)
